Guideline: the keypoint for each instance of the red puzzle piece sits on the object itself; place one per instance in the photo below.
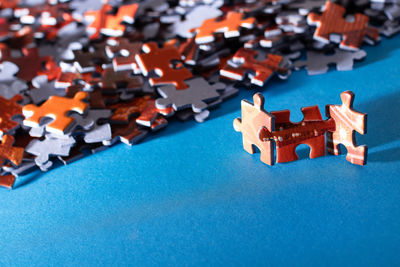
(9, 109)
(160, 60)
(30, 57)
(347, 121)
(145, 109)
(254, 117)
(7, 181)
(246, 63)
(229, 26)
(288, 135)
(8, 152)
(109, 24)
(332, 22)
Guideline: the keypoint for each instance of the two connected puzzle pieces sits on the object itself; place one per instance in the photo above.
(265, 130)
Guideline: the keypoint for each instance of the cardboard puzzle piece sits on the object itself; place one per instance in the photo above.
(109, 24)
(318, 62)
(8, 152)
(288, 135)
(247, 65)
(44, 149)
(7, 180)
(123, 55)
(229, 26)
(144, 109)
(254, 117)
(347, 121)
(9, 109)
(195, 96)
(30, 57)
(160, 60)
(126, 133)
(331, 21)
(57, 108)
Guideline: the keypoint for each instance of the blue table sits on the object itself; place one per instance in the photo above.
(190, 195)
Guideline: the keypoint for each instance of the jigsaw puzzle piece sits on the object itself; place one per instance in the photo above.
(160, 60)
(245, 64)
(331, 22)
(8, 152)
(347, 121)
(254, 117)
(57, 108)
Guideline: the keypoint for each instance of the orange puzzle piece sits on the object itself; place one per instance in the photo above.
(7, 181)
(229, 26)
(347, 121)
(332, 22)
(57, 108)
(254, 117)
(8, 152)
(160, 60)
(109, 24)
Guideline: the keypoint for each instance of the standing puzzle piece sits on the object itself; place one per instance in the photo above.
(288, 135)
(253, 118)
(347, 121)
(229, 26)
(247, 63)
(332, 22)
(8, 152)
(195, 96)
(318, 62)
(57, 108)
(160, 60)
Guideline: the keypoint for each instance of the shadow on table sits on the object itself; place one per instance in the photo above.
(383, 126)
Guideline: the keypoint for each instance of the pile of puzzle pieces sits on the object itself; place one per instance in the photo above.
(266, 130)
(77, 76)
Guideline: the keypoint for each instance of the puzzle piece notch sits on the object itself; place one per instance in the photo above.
(331, 21)
(254, 117)
(57, 108)
(288, 135)
(160, 60)
(246, 64)
(229, 26)
(347, 121)
(8, 152)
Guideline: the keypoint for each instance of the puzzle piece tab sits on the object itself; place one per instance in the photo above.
(347, 121)
(331, 21)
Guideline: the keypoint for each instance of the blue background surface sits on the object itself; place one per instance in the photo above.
(190, 195)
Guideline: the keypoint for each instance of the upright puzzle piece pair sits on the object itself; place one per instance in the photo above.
(263, 129)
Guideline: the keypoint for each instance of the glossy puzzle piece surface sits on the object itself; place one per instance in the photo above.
(288, 135)
(109, 24)
(57, 108)
(160, 60)
(254, 117)
(331, 21)
(347, 121)
(8, 110)
(246, 63)
(8, 152)
(229, 26)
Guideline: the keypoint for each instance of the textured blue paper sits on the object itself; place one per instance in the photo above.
(190, 195)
